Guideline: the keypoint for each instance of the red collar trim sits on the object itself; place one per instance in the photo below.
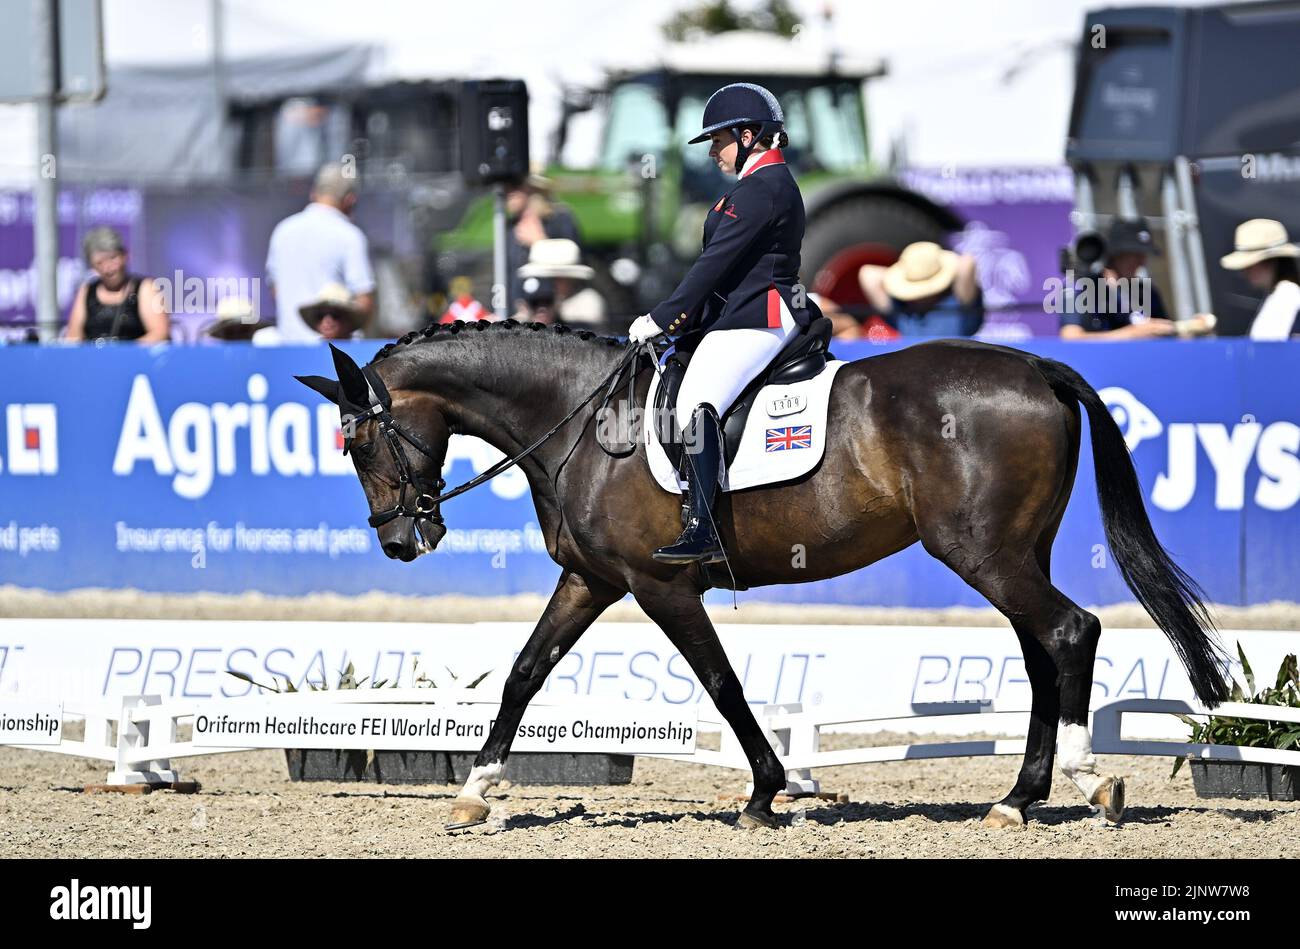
(772, 156)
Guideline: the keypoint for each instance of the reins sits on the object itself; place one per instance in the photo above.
(427, 505)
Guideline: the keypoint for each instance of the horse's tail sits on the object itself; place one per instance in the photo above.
(1174, 600)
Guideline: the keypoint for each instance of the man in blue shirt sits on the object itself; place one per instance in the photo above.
(318, 246)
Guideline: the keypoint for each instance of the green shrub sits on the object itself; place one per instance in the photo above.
(1255, 733)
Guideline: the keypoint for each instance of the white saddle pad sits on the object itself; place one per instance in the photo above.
(784, 438)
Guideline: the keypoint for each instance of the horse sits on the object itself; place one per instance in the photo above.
(968, 448)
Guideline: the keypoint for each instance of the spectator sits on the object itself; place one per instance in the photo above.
(928, 292)
(317, 246)
(532, 217)
(1264, 252)
(1116, 310)
(334, 313)
(236, 321)
(537, 305)
(116, 304)
(559, 293)
(463, 305)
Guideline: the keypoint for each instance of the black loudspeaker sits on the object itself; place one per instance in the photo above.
(493, 130)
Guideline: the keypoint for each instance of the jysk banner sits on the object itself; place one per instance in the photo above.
(188, 469)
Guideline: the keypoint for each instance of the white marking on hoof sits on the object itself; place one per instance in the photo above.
(1000, 816)
(1076, 761)
(481, 779)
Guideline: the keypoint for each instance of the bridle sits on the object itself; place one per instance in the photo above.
(428, 503)
(393, 432)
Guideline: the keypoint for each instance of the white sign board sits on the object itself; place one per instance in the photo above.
(867, 667)
(404, 727)
(31, 723)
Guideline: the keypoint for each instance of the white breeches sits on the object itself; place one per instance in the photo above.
(725, 362)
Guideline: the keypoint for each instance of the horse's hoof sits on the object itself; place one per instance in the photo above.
(1000, 816)
(468, 812)
(756, 820)
(1110, 798)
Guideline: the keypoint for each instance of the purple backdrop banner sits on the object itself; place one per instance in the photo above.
(1017, 221)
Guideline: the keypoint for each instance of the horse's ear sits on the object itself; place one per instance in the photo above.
(326, 387)
(352, 382)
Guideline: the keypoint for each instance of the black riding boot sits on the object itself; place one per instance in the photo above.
(702, 469)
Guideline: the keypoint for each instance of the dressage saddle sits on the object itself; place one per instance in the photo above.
(804, 355)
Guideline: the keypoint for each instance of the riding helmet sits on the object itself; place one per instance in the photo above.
(741, 103)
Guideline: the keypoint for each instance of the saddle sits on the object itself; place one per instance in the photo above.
(803, 357)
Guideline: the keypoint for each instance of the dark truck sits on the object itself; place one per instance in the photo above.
(1191, 117)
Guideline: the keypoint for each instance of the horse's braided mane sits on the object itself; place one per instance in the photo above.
(447, 330)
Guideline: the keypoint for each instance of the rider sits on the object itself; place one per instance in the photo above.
(742, 294)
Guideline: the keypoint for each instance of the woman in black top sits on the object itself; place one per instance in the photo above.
(116, 304)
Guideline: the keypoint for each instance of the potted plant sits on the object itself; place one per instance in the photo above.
(440, 767)
(1247, 779)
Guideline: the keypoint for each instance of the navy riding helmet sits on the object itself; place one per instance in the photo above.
(740, 104)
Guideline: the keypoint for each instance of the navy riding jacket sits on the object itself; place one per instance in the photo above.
(750, 258)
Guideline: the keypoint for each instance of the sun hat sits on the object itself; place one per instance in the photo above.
(236, 320)
(333, 300)
(556, 257)
(1258, 239)
(922, 270)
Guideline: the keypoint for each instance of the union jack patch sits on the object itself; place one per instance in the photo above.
(784, 439)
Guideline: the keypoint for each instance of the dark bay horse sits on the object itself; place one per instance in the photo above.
(969, 448)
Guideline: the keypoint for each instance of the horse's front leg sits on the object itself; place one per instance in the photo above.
(573, 607)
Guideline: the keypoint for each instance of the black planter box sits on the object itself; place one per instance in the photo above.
(1244, 780)
(442, 767)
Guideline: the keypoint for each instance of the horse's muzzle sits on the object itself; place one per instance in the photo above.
(406, 538)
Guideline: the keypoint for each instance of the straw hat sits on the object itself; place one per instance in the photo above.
(1258, 239)
(922, 270)
(235, 320)
(556, 257)
(333, 300)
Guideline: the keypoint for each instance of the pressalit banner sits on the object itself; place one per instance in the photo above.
(187, 469)
(897, 670)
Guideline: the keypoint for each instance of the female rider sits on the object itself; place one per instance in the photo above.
(742, 294)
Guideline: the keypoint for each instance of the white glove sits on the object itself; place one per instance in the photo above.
(642, 329)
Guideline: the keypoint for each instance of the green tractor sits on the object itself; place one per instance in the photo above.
(641, 207)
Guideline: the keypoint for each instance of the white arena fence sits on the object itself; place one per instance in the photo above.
(139, 737)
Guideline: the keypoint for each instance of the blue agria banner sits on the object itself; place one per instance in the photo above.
(210, 468)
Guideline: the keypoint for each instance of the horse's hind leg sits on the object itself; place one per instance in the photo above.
(1077, 652)
(682, 617)
(1059, 640)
